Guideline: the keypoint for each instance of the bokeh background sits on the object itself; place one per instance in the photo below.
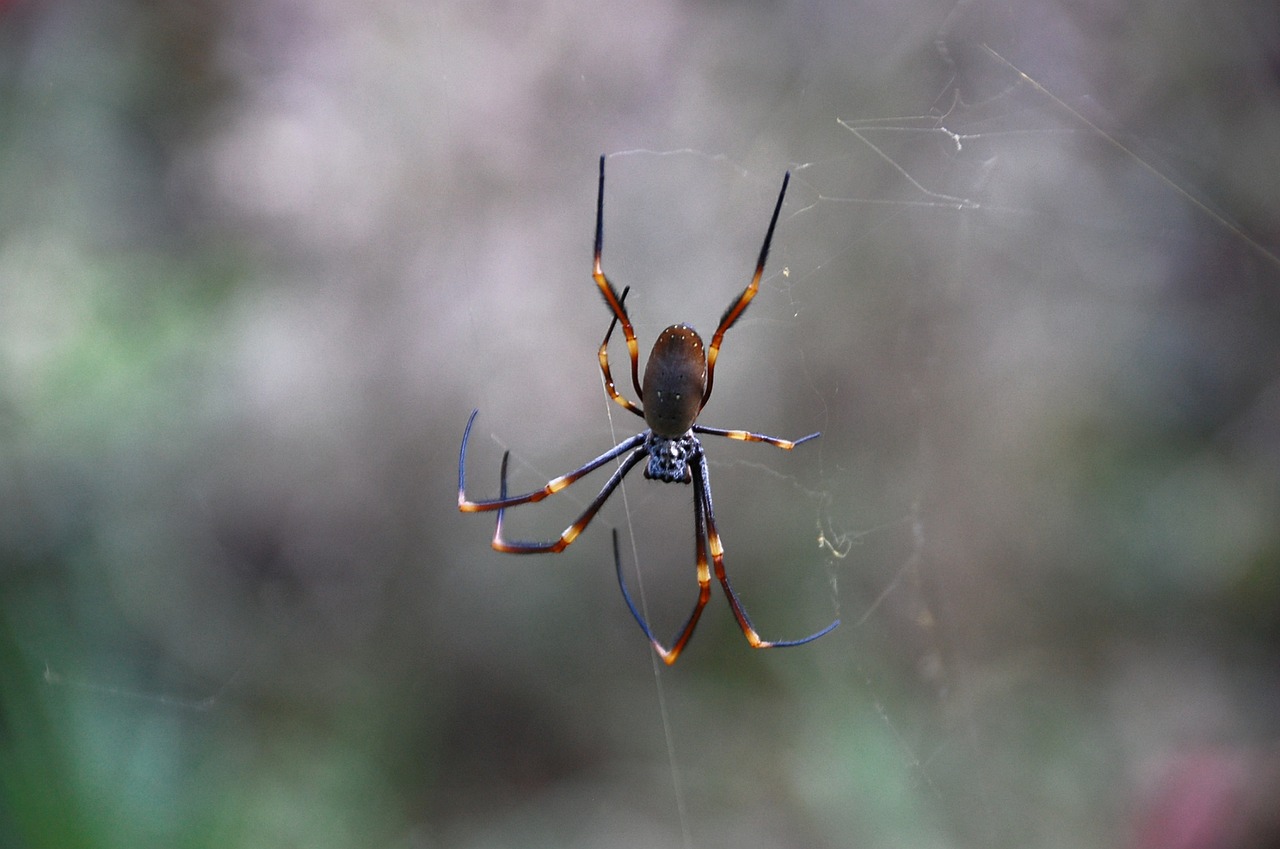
(259, 260)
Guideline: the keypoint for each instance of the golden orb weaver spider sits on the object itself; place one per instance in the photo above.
(677, 385)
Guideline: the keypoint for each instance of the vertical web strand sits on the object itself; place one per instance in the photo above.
(676, 785)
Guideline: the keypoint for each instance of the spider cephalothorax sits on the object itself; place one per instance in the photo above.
(677, 385)
(669, 458)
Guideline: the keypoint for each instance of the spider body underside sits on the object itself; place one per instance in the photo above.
(678, 379)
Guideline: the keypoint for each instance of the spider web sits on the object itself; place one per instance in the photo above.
(833, 533)
(1034, 317)
(967, 172)
(906, 223)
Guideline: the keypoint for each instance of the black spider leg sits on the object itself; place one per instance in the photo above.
(611, 296)
(706, 537)
(570, 533)
(701, 482)
(603, 356)
(670, 655)
(552, 486)
(739, 306)
(748, 436)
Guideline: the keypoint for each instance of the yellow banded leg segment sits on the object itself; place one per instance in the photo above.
(603, 356)
(466, 505)
(572, 532)
(669, 656)
(748, 436)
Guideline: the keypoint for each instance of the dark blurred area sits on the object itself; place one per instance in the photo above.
(259, 261)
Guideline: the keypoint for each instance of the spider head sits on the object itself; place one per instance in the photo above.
(675, 381)
(669, 458)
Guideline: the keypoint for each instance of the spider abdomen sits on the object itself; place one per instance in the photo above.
(675, 380)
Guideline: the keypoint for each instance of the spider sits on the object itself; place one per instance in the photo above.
(677, 385)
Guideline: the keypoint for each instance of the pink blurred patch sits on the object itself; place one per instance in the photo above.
(1211, 798)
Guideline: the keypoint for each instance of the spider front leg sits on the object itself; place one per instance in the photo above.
(670, 655)
(702, 496)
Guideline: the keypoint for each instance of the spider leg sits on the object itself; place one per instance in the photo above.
(670, 655)
(738, 307)
(552, 486)
(571, 532)
(604, 365)
(748, 436)
(702, 496)
(611, 296)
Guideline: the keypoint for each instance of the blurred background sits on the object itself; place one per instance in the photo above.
(260, 260)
